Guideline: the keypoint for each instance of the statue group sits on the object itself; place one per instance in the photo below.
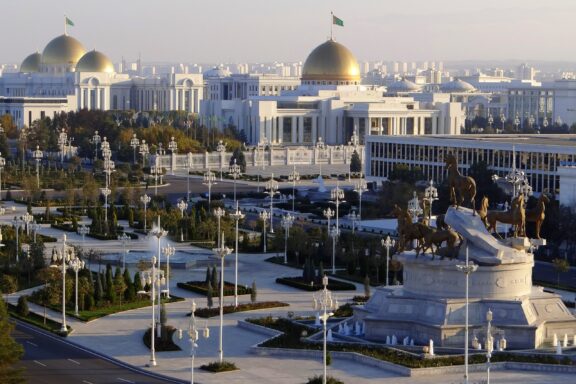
(463, 191)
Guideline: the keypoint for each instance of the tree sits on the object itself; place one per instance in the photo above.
(8, 284)
(137, 283)
(10, 350)
(129, 293)
(22, 307)
(50, 294)
(355, 163)
(119, 287)
(561, 266)
(254, 293)
(207, 278)
(209, 294)
(214, 280)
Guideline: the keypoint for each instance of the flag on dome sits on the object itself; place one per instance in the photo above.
(69, 22)
(337, 21)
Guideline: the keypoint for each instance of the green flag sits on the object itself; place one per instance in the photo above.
(69, 22)
(337, 21)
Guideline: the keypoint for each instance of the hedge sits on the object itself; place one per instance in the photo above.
(201, 288)
(215, 311)
(298, 282)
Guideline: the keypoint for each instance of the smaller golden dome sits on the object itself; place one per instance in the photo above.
(62, 50)
(31, 63)
(94, 61)
(331, 61)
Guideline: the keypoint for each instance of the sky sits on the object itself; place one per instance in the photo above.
(212, 31)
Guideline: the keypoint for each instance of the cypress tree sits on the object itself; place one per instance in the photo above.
(207, 278)
(130, 293)
(209, 294)
(214, 277)
(254, 293)
(99, 291)
(137, 283)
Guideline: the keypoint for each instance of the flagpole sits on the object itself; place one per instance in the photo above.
(65, 32)
(331, 24)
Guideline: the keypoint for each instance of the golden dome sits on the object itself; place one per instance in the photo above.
(331, 61)
(95, 61)
(61, 50)
(31, 63)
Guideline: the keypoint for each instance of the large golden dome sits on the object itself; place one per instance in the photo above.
(95, 61)
(62, 50)
(31, 63)
(331, 62)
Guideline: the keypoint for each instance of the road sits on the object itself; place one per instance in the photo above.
(50, 360)
(545, 272)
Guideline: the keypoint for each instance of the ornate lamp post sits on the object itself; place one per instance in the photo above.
(294, 177)
(27, 218)
(219, 213)
(328, 214)
(414, 208)
(106, 192)
(96, 139)
(264, 216)
(237, 216)
(531, 121)
(83, 231)
(2, 165)
(516, 122)
(26, 250)
(168, 251)
(222, 251)
(354, 218)
(76, 264)
(159, 233)
(17, 222)
(360, 187)
(156, 171)
(388, 243)
(64, 255)
(286, 222)
(271, 190)
(182, 206)
(188, 166)
(193, 337)
(124, 238)
(337, 195)
(153, 277)
(430, 195)
(209, 180)
(490, 120)
(144, 150)
(235, 171)
(467, 269)
(35, 226)
(489, 344)
(62, 140)
(145, 199)
(172, 147)
(37, 155)
(334, 233)
(134, 143)
(221, 148)
(502, 120)
(323, 301)
(320, 146)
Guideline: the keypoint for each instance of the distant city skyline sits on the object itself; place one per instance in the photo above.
(264, 31)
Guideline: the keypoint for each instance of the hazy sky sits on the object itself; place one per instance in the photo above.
(270, 30)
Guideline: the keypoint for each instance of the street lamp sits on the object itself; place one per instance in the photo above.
(221, 148)
(2, 164)
(489, 345)
(193, 337)
(516, 121)
(360, 187)
(414, 208)
(320, 146)
(106, 192)
(209, 180)
(172, 147)
(64, 255)
(237, 216)
(159, 233)
(134, 143)
(328, 214)
(235, 171)
(26, 250)
(490, 120)
(502, 120)
(188, 166)
(37, 155)
(156, 171)
(271, 189)
(96, 139)
(219, 213)
(145, 199)
(35, 226)
(152, 277)
(17, 222)
(144, 150)
(337, 195)
(264, 215)
(354, 218)
(324, 301)
(27, 218)
(286, 222)
(83, 231)
(334, 233)
(388, 243)
(62, 140)
(168, 251)
(430, 195)
(182, 206)
(467, 269)
(124, 238)
(76, 264)
(222, 251)
(294, 177)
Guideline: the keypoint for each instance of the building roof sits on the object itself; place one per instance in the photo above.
(331, 61)
(31, 63)
(61, 50)
(94, 61)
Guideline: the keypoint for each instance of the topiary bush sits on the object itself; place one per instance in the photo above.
(318, 380)
(217, 366)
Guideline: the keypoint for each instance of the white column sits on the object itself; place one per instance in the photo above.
(293, 130)
(89, 101)
(81, 101)
(281, 129)
(300, 129)
(314, 130)
(196, 101)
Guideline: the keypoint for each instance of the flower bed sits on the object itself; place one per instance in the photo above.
(215, 311)
(201, 287)
(298, 282)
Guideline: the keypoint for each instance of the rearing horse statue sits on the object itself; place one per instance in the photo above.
(465, 185)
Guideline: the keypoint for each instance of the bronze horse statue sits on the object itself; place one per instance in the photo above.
(537, 214)
(464, 185)
(407, 231)
(483, 210)
(434, 238)
(516, 216)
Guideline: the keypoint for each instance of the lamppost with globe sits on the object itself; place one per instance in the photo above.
(354, 218)
(294, 177)
(337, 196)
(188, 166)
(145, 199)
(168, 251)
(159, 233)
(37, 155)
(328, 214)
(236, 216)
(156, 172)
(467, 269)
(83, 230)
(27, 218)
(388, 243)
(144, 150)
(286, 222)
(62, 140)
(17, 222)
(35, 226)
(106, 192)
(414, 208)
(209, 180)
(154, 277)
(319, 146)
(264, 216)
(219, 213)
(430, 195)
(334, 233)
(172, 147)
(222, 251)
(360, 187)
(235, 171)
(64, 255)
(2, 165)
(502, 120)
(76, 264)
(124, 238)
(271, 190)
(193, 337)
(134, 143)
(182, 206)
(221, 148)
(516, 122)
(326, 303)
(96, 139)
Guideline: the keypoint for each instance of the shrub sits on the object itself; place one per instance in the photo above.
(8, 284)
(329, 380)
(22, 307)
(253, 294)
(298, 282)
(217, 366)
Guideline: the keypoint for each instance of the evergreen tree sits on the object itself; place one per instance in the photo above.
(119, 288)
(367, 286)
(320, 271)
(137, 283)
(109, 294)
(207, 278)
(355, 163)
(214, 277)
(130, 293)
(22, 307)
(254, 293)
(99, 291)
(10, 350)
(209, 293)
